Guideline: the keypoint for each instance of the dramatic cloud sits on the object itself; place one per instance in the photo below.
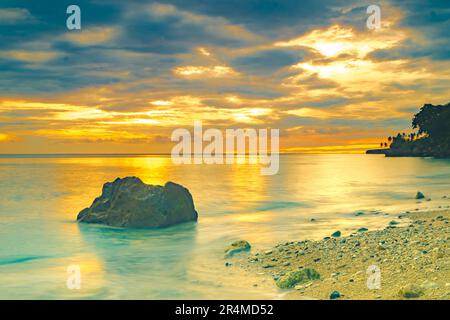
(138, 69)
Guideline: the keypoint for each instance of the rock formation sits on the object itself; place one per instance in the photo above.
(130, 203)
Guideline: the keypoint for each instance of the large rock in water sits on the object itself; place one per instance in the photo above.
(130, 203)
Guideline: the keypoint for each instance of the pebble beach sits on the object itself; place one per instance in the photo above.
(409, 259)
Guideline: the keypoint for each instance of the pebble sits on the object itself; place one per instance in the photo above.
(413, 253)
(335, 295)
(336, 234)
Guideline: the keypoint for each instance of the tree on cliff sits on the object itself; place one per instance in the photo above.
(432, 138)
(433, 121)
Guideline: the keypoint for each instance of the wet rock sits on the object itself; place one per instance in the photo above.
(363, 229)
(411, 291)
(336, 234)
(236, 247)
(335, 295)
(420, 195)
(297, 277)
(393, 223)
(130, 203)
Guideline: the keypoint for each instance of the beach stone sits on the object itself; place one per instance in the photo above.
(336, 234)
(411, 291)
(420, 195)
(335, 295)
(363, 229)
(130, 203)
(393, 223)
(236, 247)
(297, 277)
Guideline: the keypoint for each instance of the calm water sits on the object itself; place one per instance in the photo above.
(40, 198)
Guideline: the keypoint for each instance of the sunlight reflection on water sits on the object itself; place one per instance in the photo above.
(40, 198)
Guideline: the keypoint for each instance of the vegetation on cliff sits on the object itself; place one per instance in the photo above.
(431, 136)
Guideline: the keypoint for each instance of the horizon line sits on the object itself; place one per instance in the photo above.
(158, 154)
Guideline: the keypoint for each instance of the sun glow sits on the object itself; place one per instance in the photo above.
(336, 40)
(213, 71)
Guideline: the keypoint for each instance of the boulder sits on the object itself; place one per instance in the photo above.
(130, 203)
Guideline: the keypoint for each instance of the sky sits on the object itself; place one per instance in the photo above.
(137, 70)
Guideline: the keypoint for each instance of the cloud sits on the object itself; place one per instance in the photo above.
(337, 40)
(92, 36)
(201, 71)
(138, 69)
(272, 18)
(30, 56)
(14, 15)
(267, 60)
(163, 28)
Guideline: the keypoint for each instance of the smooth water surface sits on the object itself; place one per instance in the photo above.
(40, 198)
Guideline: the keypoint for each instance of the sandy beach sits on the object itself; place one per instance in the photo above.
(408, 259)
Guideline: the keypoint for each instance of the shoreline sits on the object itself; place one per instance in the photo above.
(409, 257)
(399, 153)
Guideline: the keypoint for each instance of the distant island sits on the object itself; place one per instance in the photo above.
(431, 137)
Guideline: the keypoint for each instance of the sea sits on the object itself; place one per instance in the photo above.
(311, 197)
